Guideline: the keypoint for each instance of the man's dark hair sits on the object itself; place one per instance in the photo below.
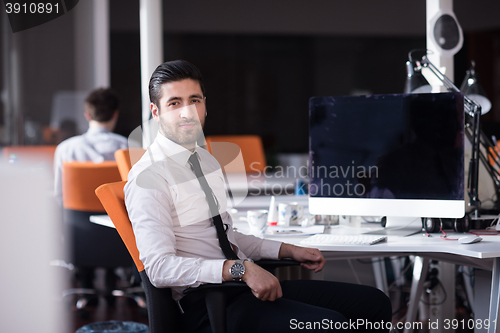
(172, 71)
(103, 103)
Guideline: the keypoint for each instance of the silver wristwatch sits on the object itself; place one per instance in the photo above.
(237, 270)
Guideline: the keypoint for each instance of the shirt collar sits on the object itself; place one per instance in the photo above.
(173, 150)
(98, 129)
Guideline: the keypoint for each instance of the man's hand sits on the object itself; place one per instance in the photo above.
(263, 284)
(309, 258)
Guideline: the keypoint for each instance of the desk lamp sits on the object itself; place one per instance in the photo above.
(480, 142)
(415, 81)
(471, 88)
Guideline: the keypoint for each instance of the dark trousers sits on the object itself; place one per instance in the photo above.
(306, 305)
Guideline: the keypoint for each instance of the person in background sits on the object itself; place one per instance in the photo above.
(99, 143)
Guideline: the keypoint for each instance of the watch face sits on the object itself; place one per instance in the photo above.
(237, 270)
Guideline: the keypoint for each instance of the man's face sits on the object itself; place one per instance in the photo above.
(181, 112)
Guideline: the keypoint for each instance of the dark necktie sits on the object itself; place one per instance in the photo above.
(214, 210)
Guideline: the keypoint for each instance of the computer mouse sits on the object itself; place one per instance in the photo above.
(470, 239)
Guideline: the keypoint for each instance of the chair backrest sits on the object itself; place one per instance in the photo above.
(43, 154)
(113, 200)
(126, 158)
(163, 312)
(251, 148)
(79, 181)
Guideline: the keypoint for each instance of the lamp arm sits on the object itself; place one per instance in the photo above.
(470, 105)
(473, 109)
(443, 78)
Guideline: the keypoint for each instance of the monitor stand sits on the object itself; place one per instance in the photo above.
(399, 226)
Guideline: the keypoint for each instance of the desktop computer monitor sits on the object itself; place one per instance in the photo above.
(398, 155)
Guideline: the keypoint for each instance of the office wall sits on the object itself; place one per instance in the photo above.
(313, 17)
(262, 59)
(45, 59)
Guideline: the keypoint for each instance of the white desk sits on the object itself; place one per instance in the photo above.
(484, 255)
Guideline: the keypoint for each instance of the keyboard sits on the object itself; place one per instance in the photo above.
(331, 239)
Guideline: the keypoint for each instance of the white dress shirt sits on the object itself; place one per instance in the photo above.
(176, 238)
(98, 144)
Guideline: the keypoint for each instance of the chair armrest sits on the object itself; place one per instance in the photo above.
(270, 265)
(216, 286)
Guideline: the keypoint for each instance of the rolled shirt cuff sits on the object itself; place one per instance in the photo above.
(270, 249)
(211, 271)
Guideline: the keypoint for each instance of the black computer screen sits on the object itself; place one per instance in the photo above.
(401, 146)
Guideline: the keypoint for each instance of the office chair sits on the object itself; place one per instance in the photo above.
(163, 312)
(36, 154)
(92, 245)
(251, 150)
(126, 158)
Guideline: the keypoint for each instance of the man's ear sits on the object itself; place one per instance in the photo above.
(155, 112)
(87, 116)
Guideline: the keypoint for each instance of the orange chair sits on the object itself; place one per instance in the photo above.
(251, 150)
(79, 181)
(39, 154)
(91, 245)
(112, 198)
(126, 158)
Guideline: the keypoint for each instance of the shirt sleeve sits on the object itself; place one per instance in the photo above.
(257, 248)
(149, 206)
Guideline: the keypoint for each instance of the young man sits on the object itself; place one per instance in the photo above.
(175, 198)
(99, 143)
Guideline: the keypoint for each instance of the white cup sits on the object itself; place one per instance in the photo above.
(289, 214)
(257, 220)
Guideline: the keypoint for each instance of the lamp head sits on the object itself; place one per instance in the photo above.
(415, 81)
(471, 88)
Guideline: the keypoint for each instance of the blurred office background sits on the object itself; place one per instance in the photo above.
(262, 61)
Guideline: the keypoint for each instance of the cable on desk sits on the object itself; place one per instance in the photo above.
(445, 237)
